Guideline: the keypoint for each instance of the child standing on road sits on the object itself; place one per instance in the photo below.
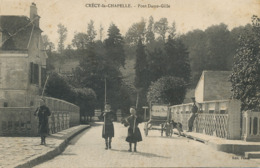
(134, 134)
(108, 127)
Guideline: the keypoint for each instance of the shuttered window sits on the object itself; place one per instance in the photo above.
(34, 73)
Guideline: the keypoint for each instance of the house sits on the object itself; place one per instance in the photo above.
(22, 59)
(213, 85)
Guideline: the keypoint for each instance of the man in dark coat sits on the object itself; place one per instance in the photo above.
(108, 127)
(194, 112)
(43, 112)
(134, 134)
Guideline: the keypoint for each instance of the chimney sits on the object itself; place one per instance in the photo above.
(34, 15)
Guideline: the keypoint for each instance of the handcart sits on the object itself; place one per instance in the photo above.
(159, 114)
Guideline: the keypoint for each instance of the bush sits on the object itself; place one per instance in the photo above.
(86, 100)
(58, 87)
(167, 90)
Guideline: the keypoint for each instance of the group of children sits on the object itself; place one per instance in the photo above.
(133, 134)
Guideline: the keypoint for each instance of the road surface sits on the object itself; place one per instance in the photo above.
(88, 150)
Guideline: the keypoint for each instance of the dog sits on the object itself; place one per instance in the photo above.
(178, 126)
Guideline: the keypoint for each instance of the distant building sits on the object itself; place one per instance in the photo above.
(213, 85)
(22, 59)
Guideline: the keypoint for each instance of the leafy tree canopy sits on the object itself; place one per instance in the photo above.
(245, 77)
(167, 90)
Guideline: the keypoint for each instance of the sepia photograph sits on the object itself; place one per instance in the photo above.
(129, 83)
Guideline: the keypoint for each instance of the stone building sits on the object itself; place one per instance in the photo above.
(213, 86)
(22, 59)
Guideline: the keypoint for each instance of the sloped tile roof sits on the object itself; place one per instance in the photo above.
(21, 29)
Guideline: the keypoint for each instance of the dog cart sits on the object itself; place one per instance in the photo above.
(159, 114)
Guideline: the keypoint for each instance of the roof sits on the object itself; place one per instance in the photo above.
(216, 85)
(215, 75)
(20, 27)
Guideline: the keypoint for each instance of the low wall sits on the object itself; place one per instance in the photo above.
(20, 121)
(17, 122)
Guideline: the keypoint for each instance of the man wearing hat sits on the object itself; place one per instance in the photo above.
(194, 111)
(43, 112)
(108, 127)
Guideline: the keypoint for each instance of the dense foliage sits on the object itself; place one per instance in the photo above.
(167, 90)
(149, 51)
(85, 98)
(246, 70)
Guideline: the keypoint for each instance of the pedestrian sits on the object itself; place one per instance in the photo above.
(134, 134)
(43, 112)
(108, 127)
(194, 112)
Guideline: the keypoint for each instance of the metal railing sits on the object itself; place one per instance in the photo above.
(213, 118)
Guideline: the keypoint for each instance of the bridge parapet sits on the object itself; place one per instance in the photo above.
(20, 121)
(215, 118)
(251, 126)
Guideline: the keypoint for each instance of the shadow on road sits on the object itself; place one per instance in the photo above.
(149, 155)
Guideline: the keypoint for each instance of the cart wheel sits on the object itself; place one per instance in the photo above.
(146, 129)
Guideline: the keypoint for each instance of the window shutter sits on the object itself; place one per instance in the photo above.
(36, 74)
(31, 72)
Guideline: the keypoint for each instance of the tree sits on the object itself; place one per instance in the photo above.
(167, 90)
(140, 66)
(136, 32)
(218, 47)
(195, 41)
(172, 30)
(86, 100)
(141, 75)
(58, 87)
(62, 31)
(161, 27)
(101, 28)
(150, 31)
(245, 77)
(80, 41)
(176, 61)
(47, 44)
(91, 32)
(114, 46)
(155, 63)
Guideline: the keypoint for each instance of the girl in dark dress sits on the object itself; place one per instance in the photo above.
(43, 112)
(134, 134)
(108, 127)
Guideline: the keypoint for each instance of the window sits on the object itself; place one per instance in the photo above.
(31, 72)
(211, 111)
(34, 73)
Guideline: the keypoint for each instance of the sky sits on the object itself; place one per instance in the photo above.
(187, 14)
